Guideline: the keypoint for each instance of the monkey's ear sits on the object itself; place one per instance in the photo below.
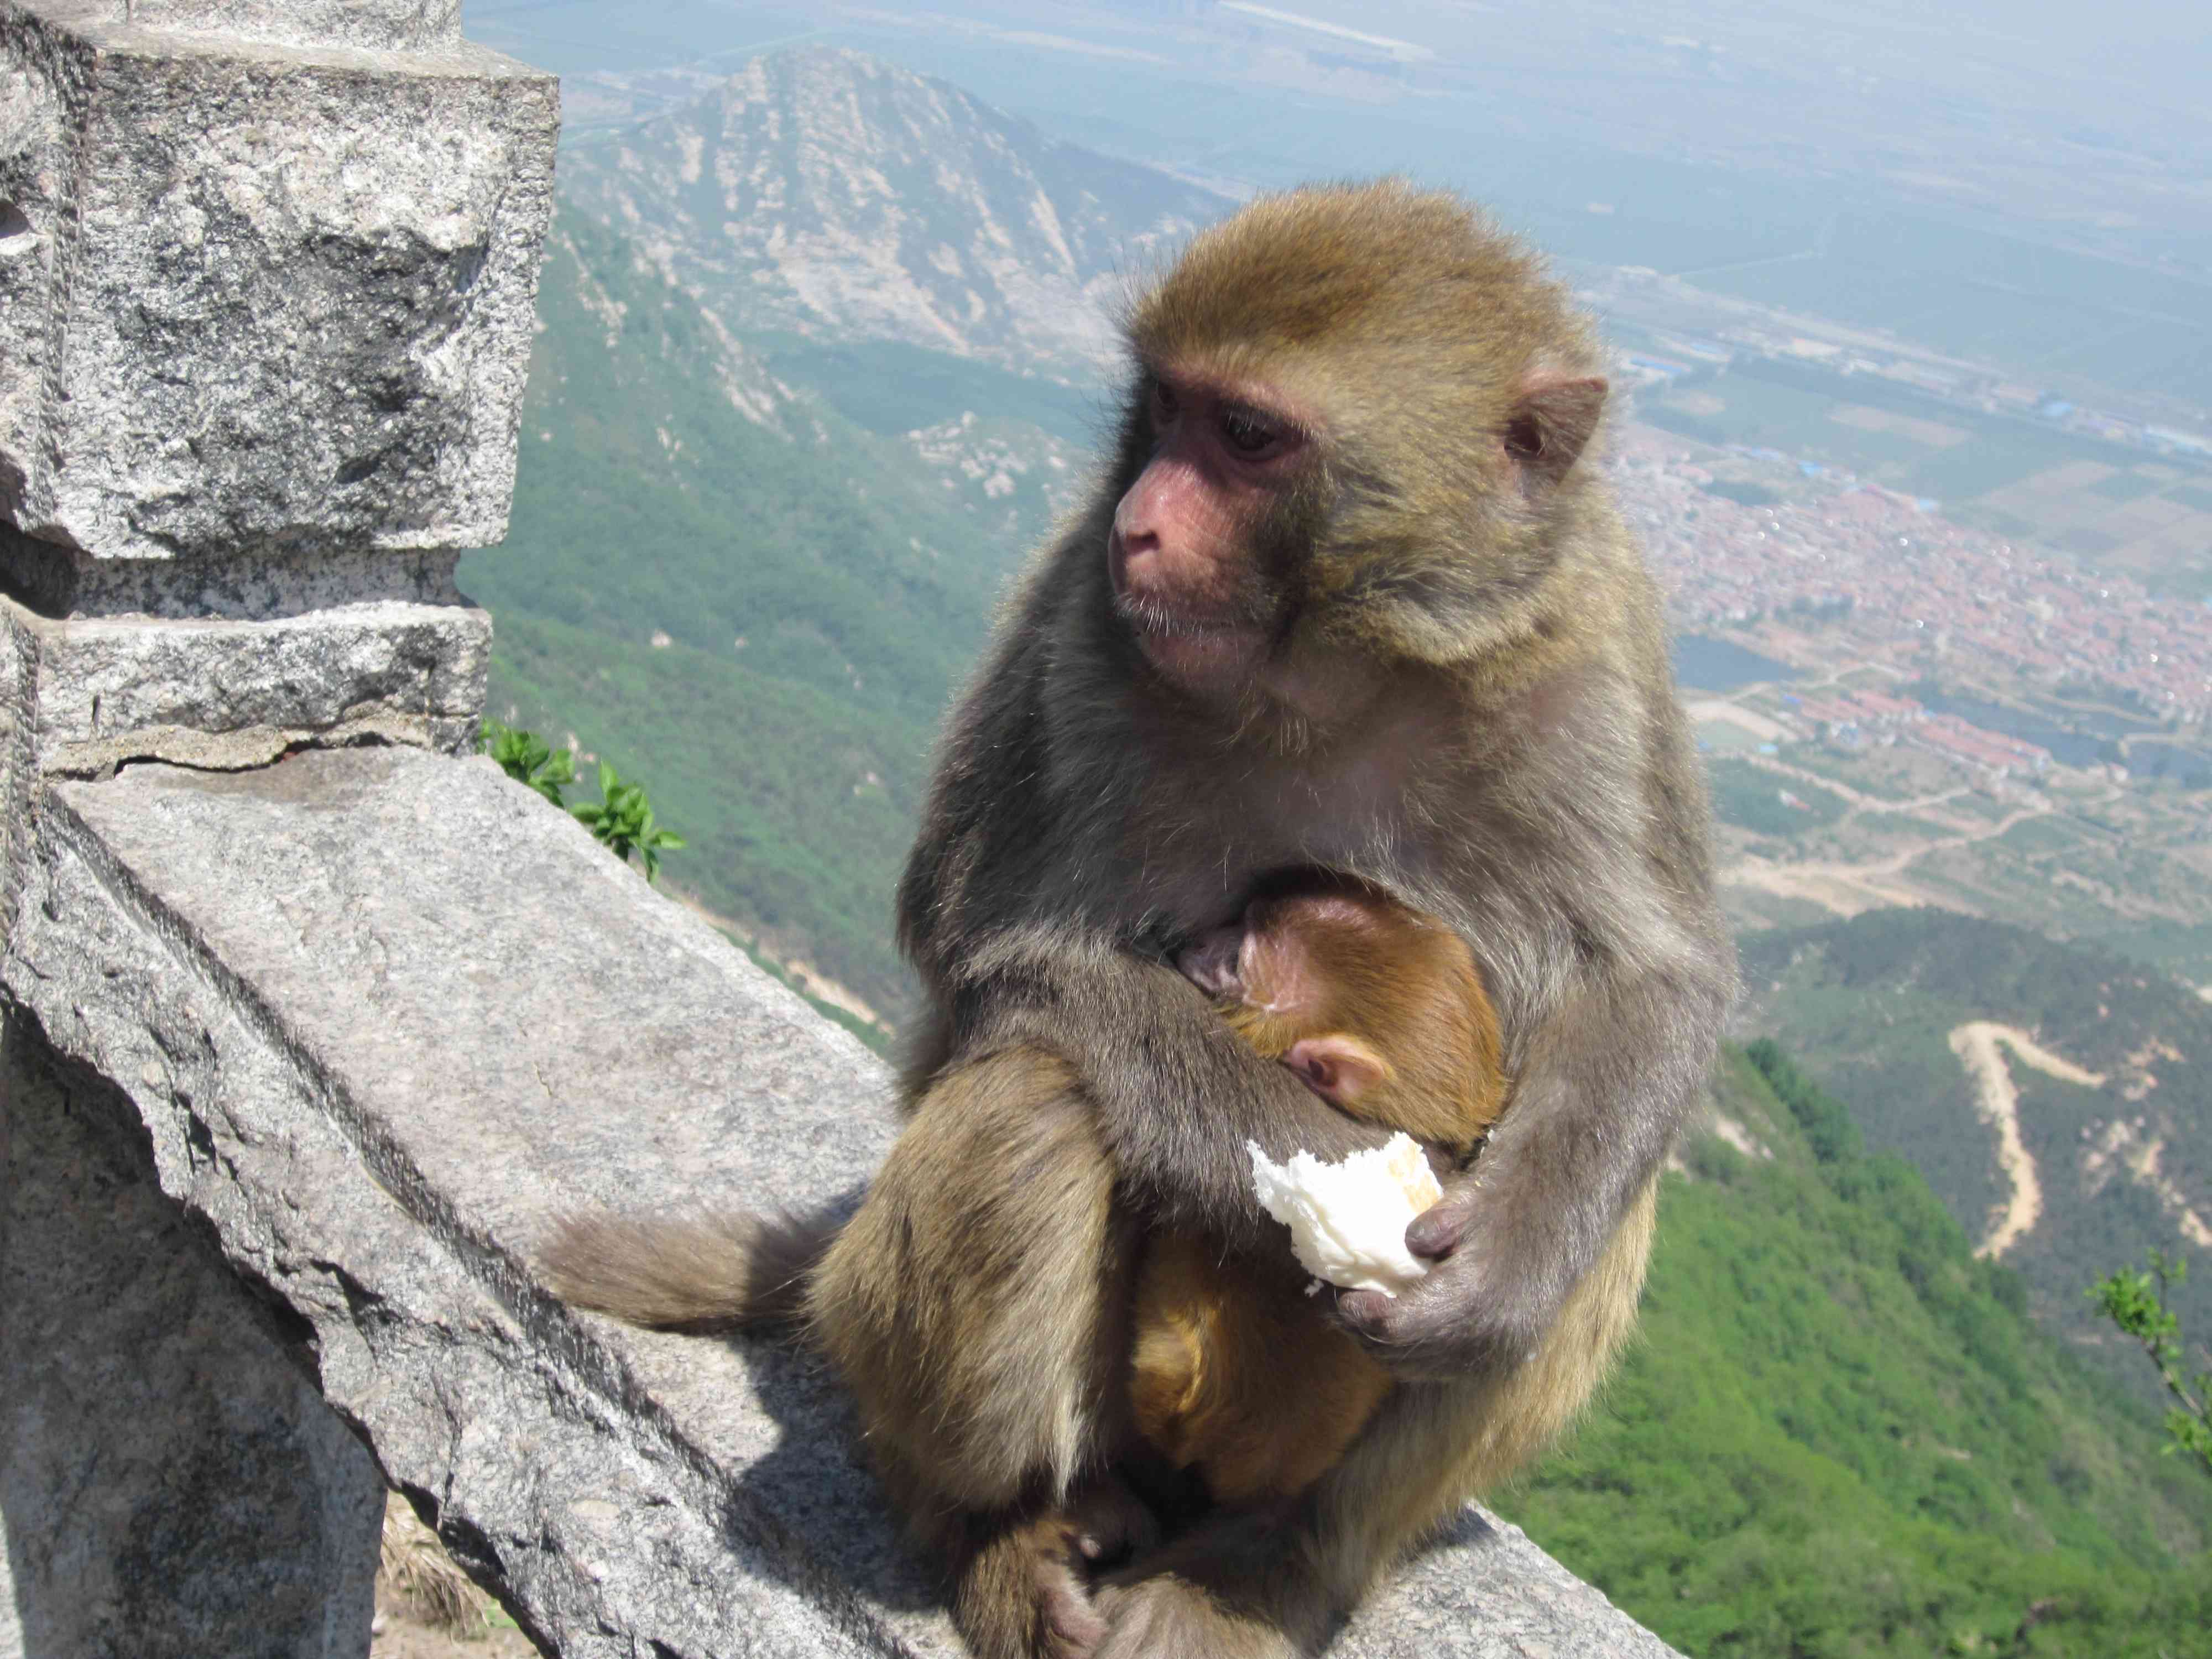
(1552, 423)
(1337, 1068)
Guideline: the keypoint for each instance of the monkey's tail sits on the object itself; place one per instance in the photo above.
(707, 1270)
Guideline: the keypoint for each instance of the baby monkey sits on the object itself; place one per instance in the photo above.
(1237, 1373)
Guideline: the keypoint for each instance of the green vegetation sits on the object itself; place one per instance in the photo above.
(528, 759)
(1750, 796)
(1867, 1008)
(622, 822)
(1838, 1436)
(2136, 1303)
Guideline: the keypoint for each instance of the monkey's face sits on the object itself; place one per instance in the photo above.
(1200, 552)
(1275, 974)
(1436, 390)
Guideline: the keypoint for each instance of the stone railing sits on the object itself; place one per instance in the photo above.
(309, 1022)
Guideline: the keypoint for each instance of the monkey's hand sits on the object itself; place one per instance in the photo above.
(1591, 1119)
(1178, 1094)
(1484, 1305)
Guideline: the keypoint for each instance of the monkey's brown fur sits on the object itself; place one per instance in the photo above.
(1236, 1372)
(1464, 700)
(1451, 682)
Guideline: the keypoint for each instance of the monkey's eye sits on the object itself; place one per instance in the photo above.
(1247, 434)
(1165, 404)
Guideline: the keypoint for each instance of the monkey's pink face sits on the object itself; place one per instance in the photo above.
(1182, 554)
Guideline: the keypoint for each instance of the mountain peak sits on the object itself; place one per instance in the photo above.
(827, 193)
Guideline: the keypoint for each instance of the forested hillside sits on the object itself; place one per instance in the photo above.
(2110, 1064)
(734, 593)
(1839, 1434)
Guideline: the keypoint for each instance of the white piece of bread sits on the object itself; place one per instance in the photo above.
(1347, 1221)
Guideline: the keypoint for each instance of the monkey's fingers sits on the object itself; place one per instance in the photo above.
(1110, 1522)
(1466, 1318)
(1436, 1232)
(1021, 1595)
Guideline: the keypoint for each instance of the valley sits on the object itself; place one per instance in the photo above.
(824, 350)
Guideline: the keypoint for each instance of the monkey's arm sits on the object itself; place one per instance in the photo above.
(1607, 1085)
(1177, 1093)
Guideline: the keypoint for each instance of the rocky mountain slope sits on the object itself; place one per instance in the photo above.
(831, 195)
(2059, 1097)
(736, 595)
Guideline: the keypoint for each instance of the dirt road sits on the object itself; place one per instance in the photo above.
(1976, 1044)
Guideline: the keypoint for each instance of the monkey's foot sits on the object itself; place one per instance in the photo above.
(1026, 1594)
(1165, 1617)
(1240, 1588)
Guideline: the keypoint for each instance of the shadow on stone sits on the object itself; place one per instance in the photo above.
(171, 1482)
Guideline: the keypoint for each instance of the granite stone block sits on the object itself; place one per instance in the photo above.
(380, 24)
(384, 1017)
(171, 1485)
(257, 297)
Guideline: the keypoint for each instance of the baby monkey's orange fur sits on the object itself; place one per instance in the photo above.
(1235, 1372)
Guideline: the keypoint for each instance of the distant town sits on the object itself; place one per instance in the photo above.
(1866, 573)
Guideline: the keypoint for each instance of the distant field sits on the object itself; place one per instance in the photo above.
(2153, 521)
(1975, 293)
(1724, 736)
(1750, 796)
(1933, 433)
(1882, 431)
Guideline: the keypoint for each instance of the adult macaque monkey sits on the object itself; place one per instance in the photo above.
(1352, 598)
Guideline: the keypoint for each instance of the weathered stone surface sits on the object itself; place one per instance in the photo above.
(379, 25)
(227, 694)
(260, 296)
(171, 1485)
(384, 1016)
(19, 679)
(59, 582)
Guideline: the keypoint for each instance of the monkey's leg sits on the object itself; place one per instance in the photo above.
(977, 1304)
(1268, 1587)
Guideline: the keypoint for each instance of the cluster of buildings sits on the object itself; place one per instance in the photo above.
(1898, 583)
(1853, 719)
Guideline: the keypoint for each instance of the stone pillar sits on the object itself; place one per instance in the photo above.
(267, 281)
(267, 273)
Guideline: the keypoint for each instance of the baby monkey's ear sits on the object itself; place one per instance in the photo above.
(1338, 1068)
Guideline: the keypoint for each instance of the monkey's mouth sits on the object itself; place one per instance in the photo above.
(1202, 650)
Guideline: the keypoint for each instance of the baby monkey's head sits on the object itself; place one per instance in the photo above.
(1380, 1010)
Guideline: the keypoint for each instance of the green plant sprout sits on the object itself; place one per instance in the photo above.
(2135, 1301)
(623, 821)
(528, 759)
